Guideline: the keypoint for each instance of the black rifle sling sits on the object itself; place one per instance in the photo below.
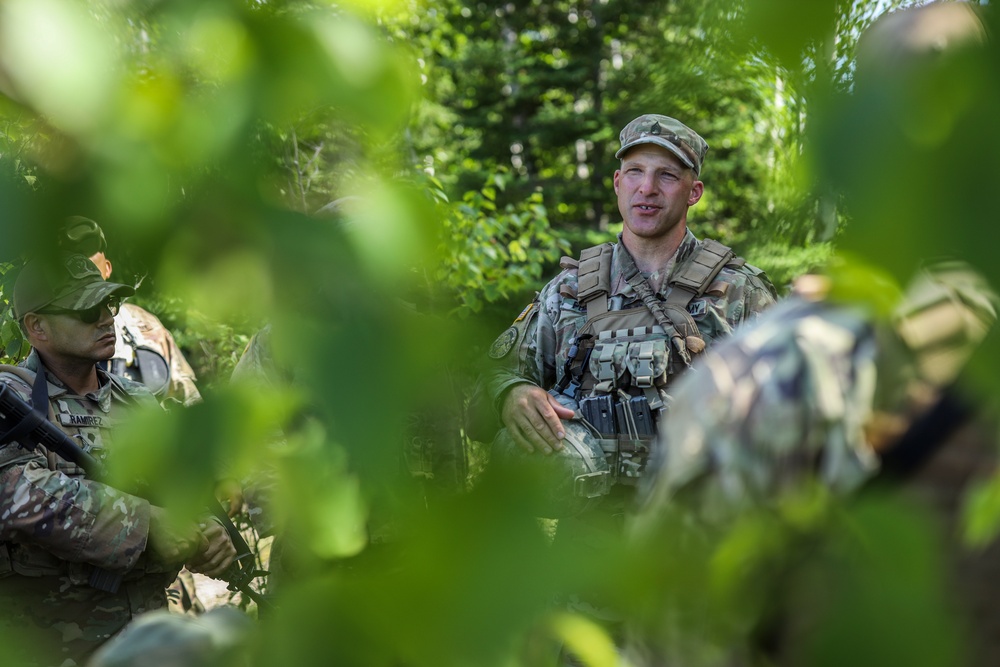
(33, 428)
(925, 436)
(38, 413)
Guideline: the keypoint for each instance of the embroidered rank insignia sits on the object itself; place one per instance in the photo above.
(697, 308)
(504, 343)
(524, 313)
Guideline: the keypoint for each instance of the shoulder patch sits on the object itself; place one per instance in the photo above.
(504, 342)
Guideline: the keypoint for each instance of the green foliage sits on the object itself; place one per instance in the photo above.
(491, 252)
(479, 142)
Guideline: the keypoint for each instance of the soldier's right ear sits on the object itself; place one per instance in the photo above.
(102, 263)
(34, 327)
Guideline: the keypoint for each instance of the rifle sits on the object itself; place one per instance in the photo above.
(31, 429)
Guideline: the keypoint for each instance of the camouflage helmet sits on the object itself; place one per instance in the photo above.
(568, 480)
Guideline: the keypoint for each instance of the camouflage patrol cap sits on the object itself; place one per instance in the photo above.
(669, 133)
(82, 235)
(70, 281)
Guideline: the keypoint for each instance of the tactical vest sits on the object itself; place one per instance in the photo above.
(623, 360)
(90, 431)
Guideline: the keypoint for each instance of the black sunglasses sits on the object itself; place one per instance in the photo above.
(87, 315)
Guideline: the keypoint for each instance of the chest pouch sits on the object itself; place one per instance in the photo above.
(648, 363)
(607, 366)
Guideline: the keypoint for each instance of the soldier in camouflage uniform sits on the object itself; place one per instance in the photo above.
(816, 388)
(608, 335)
(57, 526)
(822, 398)
(146, 351)
(821, 392)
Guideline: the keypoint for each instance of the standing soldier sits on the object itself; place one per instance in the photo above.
(605, 339)
(57, 527)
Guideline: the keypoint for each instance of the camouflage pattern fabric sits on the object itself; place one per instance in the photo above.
(536, 352)
(814, 389)
(810, 395)
(137, 329)
(219, 638)
(56, 525)
(778, 400)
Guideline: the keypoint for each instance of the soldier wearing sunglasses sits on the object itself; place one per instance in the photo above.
(56, 525)
(146, 351)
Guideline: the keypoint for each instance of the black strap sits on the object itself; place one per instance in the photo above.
(681, 322)
(925, 436)
(39, 410)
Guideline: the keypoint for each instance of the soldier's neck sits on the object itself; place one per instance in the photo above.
(652, 254)
(79, 375)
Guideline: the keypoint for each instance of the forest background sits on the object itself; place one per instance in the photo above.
(476, 142)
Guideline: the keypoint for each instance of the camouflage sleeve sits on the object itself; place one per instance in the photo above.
(757, 294)
(509, 357)
(760, 295)
(526, 351)
(75, 519)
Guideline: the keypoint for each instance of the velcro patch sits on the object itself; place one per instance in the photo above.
(504, 343)
(697, 308)
(82, 420)
(525, 312)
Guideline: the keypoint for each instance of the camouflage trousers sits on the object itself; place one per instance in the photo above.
(51, 621)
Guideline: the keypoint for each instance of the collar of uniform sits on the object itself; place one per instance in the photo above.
(619, 287)
(56, 387)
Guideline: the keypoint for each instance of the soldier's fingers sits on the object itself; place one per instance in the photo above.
(552, 427)
(217, 566)
(538, 433)
(519, 439)
(214, 561)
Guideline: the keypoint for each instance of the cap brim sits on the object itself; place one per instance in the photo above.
(659, 141)
(91, 295)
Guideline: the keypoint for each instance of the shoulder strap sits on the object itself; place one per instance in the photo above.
(694, 276)
(594, 278)
(41, 408)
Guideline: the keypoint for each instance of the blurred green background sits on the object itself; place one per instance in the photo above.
(205, 135)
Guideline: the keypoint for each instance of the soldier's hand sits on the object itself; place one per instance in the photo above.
(168, 542)
(217, 553)
(533, 418)
(230, 494)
